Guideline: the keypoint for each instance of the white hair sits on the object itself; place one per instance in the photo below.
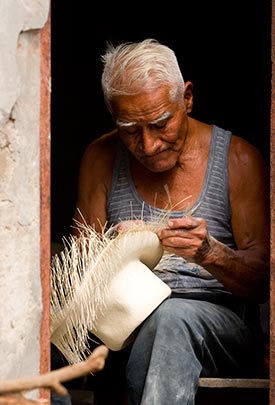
(134, 67)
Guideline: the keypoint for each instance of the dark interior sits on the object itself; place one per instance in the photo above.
(223, 48)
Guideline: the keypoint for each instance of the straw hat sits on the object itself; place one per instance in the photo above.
(108, 289)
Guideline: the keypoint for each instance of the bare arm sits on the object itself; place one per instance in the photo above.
(94, 182)
(245, 271)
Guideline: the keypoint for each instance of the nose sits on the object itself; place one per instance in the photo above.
(148, 142)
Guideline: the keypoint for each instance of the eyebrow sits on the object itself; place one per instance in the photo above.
(162, 117)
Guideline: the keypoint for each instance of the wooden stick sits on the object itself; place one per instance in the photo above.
(52, 380)
(19, 400)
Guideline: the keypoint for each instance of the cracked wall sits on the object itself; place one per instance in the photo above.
(20, 284)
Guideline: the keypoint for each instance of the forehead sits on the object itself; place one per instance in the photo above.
(147, 106)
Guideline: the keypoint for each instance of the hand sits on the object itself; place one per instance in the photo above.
(187, 237)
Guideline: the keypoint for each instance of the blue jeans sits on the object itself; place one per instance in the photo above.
(60, 400)
(184, 339)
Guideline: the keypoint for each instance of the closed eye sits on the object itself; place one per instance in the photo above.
(131, 130)
(159, 124)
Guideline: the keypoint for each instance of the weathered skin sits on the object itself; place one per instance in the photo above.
(174, 152)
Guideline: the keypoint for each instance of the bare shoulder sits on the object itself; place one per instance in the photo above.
(239, 147)
(242, 153)
(94, 180)
(99, 155)
(246, 163)
(102, 148)
(97, 161)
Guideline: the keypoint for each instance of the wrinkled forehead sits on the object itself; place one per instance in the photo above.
(147, 106)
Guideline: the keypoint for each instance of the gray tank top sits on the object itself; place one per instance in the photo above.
(213, 205)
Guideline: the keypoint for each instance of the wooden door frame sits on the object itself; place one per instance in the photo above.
(45, 203)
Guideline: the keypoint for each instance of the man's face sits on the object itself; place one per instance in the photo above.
(152, 127)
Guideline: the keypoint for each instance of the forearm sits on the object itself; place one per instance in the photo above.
(243, 272)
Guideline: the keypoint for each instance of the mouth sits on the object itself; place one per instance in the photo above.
(159, 162)
(156, 155)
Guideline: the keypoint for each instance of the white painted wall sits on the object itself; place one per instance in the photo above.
(20, 284)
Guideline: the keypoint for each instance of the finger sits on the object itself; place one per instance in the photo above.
(185, 223)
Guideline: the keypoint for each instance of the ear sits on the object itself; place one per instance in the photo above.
(188, 96)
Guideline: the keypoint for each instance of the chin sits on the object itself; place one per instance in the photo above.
(161, 167)
(158, 165)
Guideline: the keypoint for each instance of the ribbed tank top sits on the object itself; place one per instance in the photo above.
(213, 205)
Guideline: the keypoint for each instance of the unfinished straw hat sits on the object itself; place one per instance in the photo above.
(104, 284)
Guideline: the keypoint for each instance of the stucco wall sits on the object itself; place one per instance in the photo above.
(20, 283)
